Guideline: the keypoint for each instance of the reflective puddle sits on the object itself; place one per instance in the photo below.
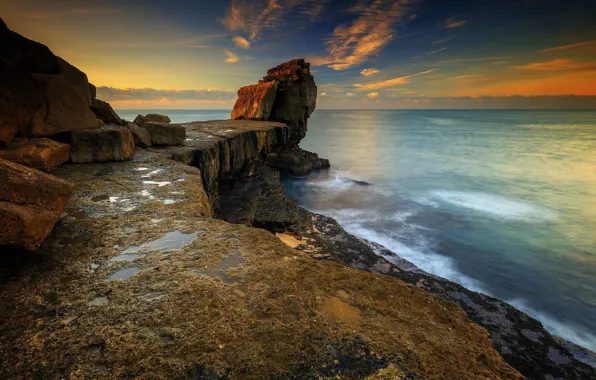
(124, 274)
(219, 271)
(170, 242)
(98, 301)
(125, 257)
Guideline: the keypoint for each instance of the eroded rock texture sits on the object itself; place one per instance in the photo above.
(108, 143)
(30, 204)
(39, 153)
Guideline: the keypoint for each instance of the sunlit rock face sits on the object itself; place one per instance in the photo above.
(287, 94)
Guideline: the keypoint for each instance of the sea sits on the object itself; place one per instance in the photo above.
(500, 201)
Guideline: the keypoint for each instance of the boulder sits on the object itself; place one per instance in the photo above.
(141, 135)
(107, 143)
(152, 118)
(297, 161)
(63, 109)
(165, 134)
(28, 55)
(77, 79)
(30, 204)
(21, 96)
(255, 102)
(296, 97)
(105, 112)
(39, 153)
(92, 91)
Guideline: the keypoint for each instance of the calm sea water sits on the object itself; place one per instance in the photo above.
(502, 202)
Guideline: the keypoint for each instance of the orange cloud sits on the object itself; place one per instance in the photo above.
(241, 42)
(368, 34)
(232, 58)
(390, 82)
(452, 23)
(373, 95)
(437, 51)
(589, 44)
(369, 72)
(557, 64)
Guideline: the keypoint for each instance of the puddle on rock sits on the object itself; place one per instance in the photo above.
(159, 184)
(170, 242)
(219, 271)
(99, 301)
(169, 201)
(124, 274)
(126, 257)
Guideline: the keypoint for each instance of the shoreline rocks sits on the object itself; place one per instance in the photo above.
(38, 153)
(151, 118)
(30, 204)
(107, 143)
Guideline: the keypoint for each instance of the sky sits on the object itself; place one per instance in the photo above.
(364, 53)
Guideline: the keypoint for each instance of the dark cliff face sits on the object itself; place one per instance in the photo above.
(287, 94)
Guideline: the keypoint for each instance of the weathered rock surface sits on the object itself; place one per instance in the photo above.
(165, 134)
(30, 204)
(141, 135)
(296, 96)
(20, 98)
(294, 101)
(255, 102)
(108, 143)
(152, 118)
(104, 112)
(28, 55)
(228, 301)
(297, 162)
(38, 153)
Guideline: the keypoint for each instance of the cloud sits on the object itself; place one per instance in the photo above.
(442, 40)
(241, 42)
(256, 15)
(369, 72)
(323, 94)
(578, 45)
(350, 94)
(390, 82)
(437, 51)
(468, 76)
(556, 65)
(371, 30)
(372, 95)
(232, 58)
(127, 95)
(452, 23)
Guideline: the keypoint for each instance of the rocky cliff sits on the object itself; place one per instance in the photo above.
(287, 94)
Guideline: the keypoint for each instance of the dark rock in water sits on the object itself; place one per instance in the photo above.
(104, 112)
(30, 204)
(141, 135)
(165, 134)
(152, 118)
(108, 143)
(287, 94)
(296, 161)
(255, 101)
(28, 55)
(38, 153)
(20, 98)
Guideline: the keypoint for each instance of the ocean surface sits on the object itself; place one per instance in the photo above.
(502, 202)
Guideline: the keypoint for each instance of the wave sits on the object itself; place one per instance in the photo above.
(556, 327)
(338, 181)
(506, 208)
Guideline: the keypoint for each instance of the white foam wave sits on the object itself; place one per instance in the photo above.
(506, 208)
(421, 256)
(556, 327)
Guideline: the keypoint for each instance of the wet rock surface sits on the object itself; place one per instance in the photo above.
(38, 153)
(108, 143)
(30, 204)
(215, 300)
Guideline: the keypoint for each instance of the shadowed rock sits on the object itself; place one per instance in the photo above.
(104, 112)
(39, 153)
(30, 204)
(141, 135)
(152, 118)
(165, 134)
(108, 143)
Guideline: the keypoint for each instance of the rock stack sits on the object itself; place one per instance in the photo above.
(287, 94)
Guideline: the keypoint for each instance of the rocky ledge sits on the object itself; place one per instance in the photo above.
(138, 279)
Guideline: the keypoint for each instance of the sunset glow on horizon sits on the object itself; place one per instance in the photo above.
(364, 54)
